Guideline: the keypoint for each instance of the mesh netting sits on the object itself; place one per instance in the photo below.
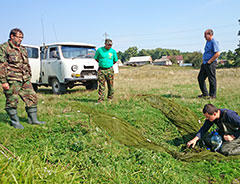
(183, 118)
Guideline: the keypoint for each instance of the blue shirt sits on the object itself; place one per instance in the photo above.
(210, 49)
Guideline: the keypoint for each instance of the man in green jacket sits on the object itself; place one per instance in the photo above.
(15, 77)
(106, 57)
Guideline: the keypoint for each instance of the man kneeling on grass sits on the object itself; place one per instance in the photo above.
(228, 123)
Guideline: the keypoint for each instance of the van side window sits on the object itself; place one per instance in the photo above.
(32, 52)
(53, 53)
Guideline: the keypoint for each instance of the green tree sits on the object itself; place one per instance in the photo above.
(157, 54)
(130, 52)
(173, 59)
(230, 55)
(121, 55)
(237, 57)
(223, 56)
(195, 58)
(143, 52)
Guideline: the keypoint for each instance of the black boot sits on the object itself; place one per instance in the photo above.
(12, 112)
(32, 116)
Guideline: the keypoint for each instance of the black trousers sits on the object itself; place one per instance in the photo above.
(208, 71)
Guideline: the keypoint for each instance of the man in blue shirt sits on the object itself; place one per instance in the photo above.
(208, 67)
(106, 57)
(228, 123)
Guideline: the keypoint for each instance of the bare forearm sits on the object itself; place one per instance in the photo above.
(215, 56)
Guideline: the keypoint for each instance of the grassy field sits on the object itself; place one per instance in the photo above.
(74, 146)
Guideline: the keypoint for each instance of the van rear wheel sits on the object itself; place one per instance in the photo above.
(57, 87)
(35, 87)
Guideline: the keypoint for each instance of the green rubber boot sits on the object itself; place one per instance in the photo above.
(12, 112)
(32, 116)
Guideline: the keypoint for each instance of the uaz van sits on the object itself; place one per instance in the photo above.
(63, 65)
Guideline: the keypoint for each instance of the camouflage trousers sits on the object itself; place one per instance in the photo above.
(106, 75)
(228, 148)
(22, 89)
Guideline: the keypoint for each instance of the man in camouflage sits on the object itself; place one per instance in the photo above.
(15, 76)
(106, 57)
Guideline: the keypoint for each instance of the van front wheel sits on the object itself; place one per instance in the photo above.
(57, 87)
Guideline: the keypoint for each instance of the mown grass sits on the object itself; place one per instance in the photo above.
(71, 148)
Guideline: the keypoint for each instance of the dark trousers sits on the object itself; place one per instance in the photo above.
(208, 71)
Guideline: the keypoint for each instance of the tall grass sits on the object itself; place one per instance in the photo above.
(71, 148)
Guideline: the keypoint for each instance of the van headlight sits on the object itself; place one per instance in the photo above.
(74, 68)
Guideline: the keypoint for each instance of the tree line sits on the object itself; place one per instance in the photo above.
(232, 58)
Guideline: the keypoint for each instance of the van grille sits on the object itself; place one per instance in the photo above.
(88, 73)
(88, 67)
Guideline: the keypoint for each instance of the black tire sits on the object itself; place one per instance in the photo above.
(35, 87)
(57, 87)
(92, 85)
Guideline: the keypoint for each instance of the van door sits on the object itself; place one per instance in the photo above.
(34, 61)
(51, 65)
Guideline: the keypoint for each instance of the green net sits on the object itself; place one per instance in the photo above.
(183, 118)
(121, 130)
(187, 123)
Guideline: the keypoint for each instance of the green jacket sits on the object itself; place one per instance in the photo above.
(14, 65)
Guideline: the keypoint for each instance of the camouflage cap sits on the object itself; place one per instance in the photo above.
(108, 41)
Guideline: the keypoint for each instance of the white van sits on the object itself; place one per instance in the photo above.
(64, 65)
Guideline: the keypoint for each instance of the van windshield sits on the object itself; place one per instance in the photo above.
(78, 52)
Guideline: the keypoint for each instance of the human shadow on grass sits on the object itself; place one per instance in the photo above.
(171, 96)
(178, 96)
(85, 100)
(49, 91)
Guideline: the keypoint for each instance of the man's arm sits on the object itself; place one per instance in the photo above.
(235, 119)
(96, 57)
(207, 124)
(193, 142)
(115, 57)
(215, 56)
(3, 69)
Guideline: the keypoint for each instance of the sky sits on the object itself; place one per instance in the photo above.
(170, 24)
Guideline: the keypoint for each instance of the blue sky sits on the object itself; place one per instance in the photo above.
(172, 24)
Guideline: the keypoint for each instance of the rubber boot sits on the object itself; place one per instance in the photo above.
(32, 116)
(12, 112)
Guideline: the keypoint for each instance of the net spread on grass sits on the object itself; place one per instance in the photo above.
(121, 130)
(183, 118)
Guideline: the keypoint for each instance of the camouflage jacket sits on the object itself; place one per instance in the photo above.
(14, 65)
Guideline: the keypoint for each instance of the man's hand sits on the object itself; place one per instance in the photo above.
(229, 137)
(209, 62)
(215, 56)
(192, 142)
(5, 86)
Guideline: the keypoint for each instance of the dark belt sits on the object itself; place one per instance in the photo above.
(100, 68)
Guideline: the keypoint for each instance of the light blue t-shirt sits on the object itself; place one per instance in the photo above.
(210, 49)
(105, 57)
